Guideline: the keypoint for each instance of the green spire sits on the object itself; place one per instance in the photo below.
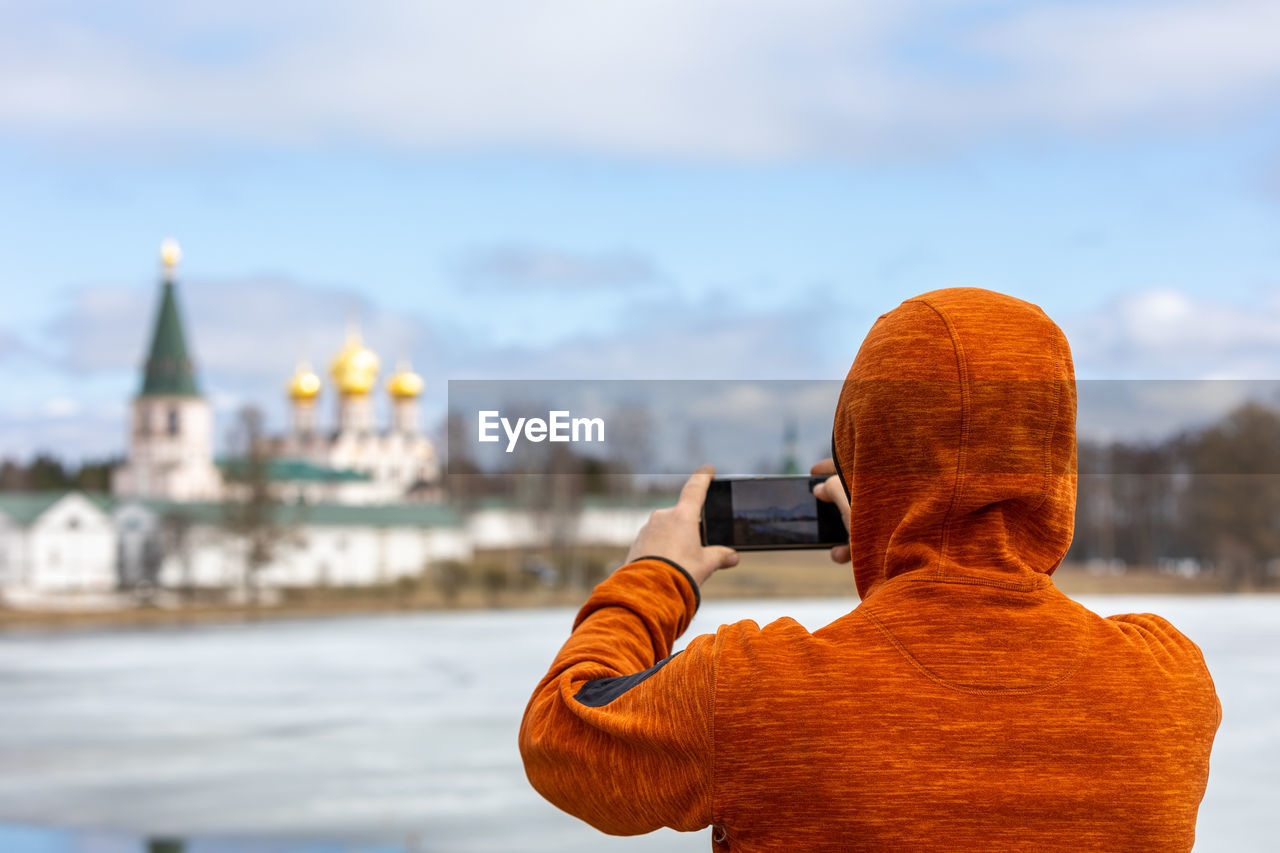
(168, 369)
(789, 464)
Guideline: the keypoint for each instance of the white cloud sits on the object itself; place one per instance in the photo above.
(700, 78)
(679, 338)
(1086, 63)
(538, 268)
(1167, 334)
(61, 407)
(87, 432)
(247, 335)
(235, 328)
(10, 344)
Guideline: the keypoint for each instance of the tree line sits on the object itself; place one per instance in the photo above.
(47, 473)
(1204, 500)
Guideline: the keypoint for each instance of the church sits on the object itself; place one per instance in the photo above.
(352, 504)
(351, 461)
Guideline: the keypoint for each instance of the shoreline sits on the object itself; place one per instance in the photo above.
(769, 576)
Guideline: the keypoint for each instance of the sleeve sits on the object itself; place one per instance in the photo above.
(618, 732)
(1180, 659)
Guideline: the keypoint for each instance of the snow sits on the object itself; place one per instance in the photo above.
(401, 730)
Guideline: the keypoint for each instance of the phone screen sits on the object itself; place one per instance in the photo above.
(768, 513)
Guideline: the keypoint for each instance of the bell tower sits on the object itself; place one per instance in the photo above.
(355, 373)
(405, 387)
(171, 431)
(304, 387)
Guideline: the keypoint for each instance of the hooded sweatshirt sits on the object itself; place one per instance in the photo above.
(965, 705)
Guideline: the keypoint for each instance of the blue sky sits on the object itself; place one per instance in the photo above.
(568, 189)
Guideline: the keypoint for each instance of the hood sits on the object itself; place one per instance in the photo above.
(955, 438)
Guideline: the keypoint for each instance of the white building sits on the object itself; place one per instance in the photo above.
(171, 428)
(351, 461)
(355, 505)
(70, 543)
(56, 543)
(313, 545)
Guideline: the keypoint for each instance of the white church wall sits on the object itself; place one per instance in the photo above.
(409, 551)
(355, 555)
(401, 552)
(75, 546)
(72, 548)
(208, 558)
(12, 550)
(503, 528)
(611, 526)
(445, 543)
(352, 556)
(137, 532)
(170, 451)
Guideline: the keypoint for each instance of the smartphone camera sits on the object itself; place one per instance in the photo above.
(769, 513)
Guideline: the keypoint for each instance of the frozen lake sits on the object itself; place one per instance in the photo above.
(399, 732)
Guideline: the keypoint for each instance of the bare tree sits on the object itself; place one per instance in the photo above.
(166, 845)
(1212, 495)
(175, 539)
(562, 511)
(1233, 503)
(630, 441)
(249, 512)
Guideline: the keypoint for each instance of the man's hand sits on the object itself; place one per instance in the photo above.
(673, 533)
(832, 491)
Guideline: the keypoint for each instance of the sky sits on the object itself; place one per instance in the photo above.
(567, 189)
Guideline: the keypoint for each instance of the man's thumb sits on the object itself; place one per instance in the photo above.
(726, 558)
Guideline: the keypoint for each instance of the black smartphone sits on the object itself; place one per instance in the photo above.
(770, 514)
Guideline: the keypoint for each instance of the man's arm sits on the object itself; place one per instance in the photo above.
(618, 732)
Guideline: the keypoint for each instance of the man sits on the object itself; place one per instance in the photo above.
(965, 704)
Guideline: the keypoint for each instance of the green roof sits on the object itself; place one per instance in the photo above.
(386, 515)
(381, 515)
(323, 515)
(637, 502)
(25, 507)
(625, 502)
(168, 369)
(294, 470)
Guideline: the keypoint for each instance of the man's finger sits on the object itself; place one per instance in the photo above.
(726, 558)
(833, 491)
(695, 492)
(840, 554)
(825, 468)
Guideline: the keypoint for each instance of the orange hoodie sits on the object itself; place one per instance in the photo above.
(965, 705)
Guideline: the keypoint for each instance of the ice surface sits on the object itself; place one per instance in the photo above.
(402, 729)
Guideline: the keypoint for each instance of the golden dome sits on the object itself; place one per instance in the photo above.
(170, 254)
(304, 385)
(355, 367)
(404, 383)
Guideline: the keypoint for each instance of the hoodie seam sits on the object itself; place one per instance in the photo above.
(983, 691)
(1033, 585)
(697, 593)
(962, 368)
(712, 810)
(1053, 427)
